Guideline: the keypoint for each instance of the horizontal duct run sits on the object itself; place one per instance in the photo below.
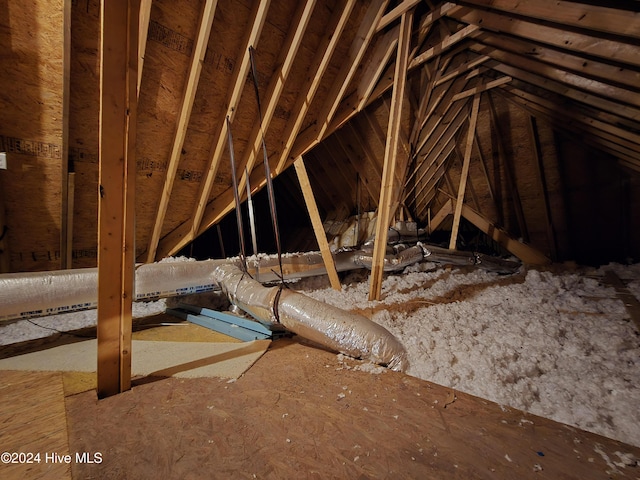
(37, 294)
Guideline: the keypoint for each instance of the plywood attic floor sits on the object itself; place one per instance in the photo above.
(303, 412)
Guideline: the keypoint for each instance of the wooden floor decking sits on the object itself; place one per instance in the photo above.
(298, 412)
(33, 426)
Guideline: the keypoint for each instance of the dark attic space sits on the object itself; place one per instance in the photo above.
(324, 239)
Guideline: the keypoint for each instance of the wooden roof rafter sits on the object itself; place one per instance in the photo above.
(316, 72)
(186, 105)
(568, 92)
(582, 43)
(274, 90)
(363, 37)
(625, 151)
(609, 20)
(258, 17)
(223, 204)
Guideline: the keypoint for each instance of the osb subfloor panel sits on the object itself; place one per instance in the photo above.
(33, 427)
(300, 412)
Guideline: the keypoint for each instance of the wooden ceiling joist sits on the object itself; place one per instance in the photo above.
(186, 105)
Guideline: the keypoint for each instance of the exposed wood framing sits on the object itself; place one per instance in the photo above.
(592, 17)
(396, 13)
(174, 241)
(385, 209)
(258, 17)
(447, 43)
(438, 218)
(465, 171)
(307, 93)
(316, 222)
(186, 105)
(524, 252)
(274, 90)
(145, 16)
(376, 66)
(349, 66)
(505, 160)
(464, 68)
(547, 34)
(481, 88)
(116, 212)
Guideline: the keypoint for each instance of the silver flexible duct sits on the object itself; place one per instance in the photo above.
(337, 329)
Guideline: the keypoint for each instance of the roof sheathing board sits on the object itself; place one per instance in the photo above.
(168, 53)
(84, 105)
(31, 90)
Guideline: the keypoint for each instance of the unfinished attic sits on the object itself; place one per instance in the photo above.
(429, 212)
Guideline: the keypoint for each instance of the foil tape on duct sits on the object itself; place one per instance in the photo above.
(346, 332)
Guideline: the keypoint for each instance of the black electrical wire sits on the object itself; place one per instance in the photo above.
(243, 256)
(267, 170)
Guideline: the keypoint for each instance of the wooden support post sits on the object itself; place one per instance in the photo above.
(465, 171)
(385, 207)
(116, 205)
(318, 229)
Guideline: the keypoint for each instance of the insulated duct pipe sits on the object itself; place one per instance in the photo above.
(36, 294)
(342, 331)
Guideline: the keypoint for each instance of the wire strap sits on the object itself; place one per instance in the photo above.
(267, 170)
(243, 255)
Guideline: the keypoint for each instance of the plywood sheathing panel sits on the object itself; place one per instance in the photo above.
(172, 28)
(84, 104)
(229, 23)
(31, 86)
